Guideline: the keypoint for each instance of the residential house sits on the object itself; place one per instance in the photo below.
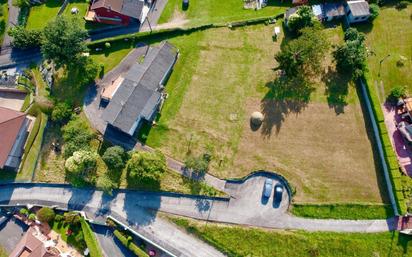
(137, 96)
(31, 245)
(329, 11)
(116, 11)
(357, 11)
(13, 134)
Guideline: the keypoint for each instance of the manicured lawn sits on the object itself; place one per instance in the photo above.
(205, 12)
(82, 5)
(390, 34)
(236, 241)
(342, 211)
(221, 77)
(40, 15)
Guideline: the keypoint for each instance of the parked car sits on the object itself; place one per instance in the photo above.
(278, 193)
(185, 4)
(267, 188)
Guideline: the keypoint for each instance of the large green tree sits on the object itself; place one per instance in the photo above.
(303, 55)
(63, 40)
(351, 56)
(146, 165)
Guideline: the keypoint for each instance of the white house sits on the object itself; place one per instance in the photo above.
(357, 11)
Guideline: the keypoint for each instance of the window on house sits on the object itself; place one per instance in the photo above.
(356, 18)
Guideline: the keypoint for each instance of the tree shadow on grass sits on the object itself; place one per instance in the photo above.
(404, 241)
(285, 96)
(336, 89)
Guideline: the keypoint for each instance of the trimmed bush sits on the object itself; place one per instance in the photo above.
(129, 244)
(374, 10)
(46, 215)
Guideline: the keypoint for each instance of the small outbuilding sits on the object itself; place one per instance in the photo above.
(357, 11)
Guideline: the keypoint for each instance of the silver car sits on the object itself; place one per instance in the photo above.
(267, 188)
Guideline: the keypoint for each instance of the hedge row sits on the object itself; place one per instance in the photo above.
(390, 157)
(33, 133)
(167, 33)
(90, 239)
(129, 244)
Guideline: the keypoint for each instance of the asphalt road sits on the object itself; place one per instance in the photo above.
(110, 245)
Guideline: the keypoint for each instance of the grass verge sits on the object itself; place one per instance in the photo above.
(235, 241)
(354, 211)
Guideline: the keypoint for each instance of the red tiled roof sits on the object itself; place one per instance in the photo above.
(10, 124)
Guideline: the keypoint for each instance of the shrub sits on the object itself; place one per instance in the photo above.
(374, 10)
(61, 112)
(402, 5)
(77, 136)
(23, 38)
(147, 165)
(72, 218)
(107, 45)
(82, 166)
(46, 215)
(24, 211)
(198, 164)
(58, 218)
(129, 244)
(114, 157)
(105, 184)
(32, 216)
(396, 93)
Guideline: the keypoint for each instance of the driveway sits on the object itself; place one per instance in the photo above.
(110, 245)
(10, 234)
(12, 100)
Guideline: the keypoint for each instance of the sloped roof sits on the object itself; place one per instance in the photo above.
(10, 124)
(131, 8)
(138, 95)
(32, 246)
(359, 8)
(333, 9)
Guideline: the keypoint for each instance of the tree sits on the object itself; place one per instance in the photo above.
(146, 165)
(303, 18)
(46, 215)
(304, 54)
(61, 112)
(396, 93)
(23, 38)
(81, 163)
(199, 164)
(114, 157)
(72, 218)
(351, 56)
(374, 10)
(63, 40)
(77, 136)
(106, 184)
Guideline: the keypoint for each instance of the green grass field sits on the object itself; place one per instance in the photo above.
(40, 15)
(235, 241)
(390, 34)
(205, 12)
(342, 211)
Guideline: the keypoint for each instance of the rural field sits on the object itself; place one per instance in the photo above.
(204, 12)
(222, 76)
(391, 34)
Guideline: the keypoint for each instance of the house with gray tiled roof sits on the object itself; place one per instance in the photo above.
(138, 95)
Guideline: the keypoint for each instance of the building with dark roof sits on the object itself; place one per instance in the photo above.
(357, 11)
(116, 11)
(138, 95)
(13, 134)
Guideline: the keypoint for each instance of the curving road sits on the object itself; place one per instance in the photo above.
(139, 209)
